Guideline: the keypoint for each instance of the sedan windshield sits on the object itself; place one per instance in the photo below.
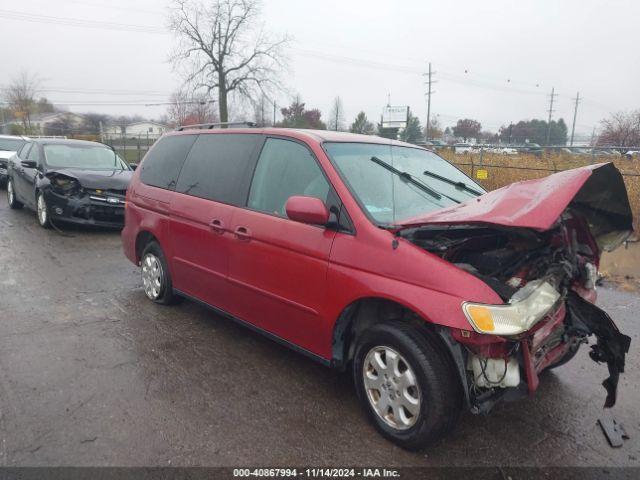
(86, 157)
(391, 196)
(11, 144)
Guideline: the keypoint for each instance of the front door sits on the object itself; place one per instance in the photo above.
(278, 267)
(25, 179)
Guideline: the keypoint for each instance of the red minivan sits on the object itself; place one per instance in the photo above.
(381, 257)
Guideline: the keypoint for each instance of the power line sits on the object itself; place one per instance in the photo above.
(78, 22)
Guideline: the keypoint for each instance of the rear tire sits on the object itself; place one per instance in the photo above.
(11, 196)
(387, 357)
(156, 279)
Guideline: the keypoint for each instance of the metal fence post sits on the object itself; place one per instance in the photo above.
(472, 167)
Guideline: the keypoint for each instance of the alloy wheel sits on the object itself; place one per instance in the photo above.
(10, 192)
(391, 387)
(43, 213)
(151, 276)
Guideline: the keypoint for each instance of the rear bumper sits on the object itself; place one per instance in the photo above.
(86, 210)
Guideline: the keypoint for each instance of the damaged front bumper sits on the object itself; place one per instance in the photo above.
(88, 207)
(499, 368)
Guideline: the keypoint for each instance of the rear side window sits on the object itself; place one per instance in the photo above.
(219, 167)
(285, 169)
(162, 164)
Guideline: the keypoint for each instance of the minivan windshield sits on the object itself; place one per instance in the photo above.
(391, 196)
(87, 157)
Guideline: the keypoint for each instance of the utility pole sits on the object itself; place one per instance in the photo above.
(575, 114)
(430, 82)
(274, 113)
(552, 97)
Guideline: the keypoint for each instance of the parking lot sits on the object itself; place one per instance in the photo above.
(91, 373)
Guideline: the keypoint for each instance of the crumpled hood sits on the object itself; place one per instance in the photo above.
(596, 191)
(97, 179)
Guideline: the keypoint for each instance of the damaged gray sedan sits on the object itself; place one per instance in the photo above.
(70, 181)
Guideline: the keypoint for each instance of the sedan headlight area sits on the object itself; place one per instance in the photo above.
(526, 307)
(64, 185)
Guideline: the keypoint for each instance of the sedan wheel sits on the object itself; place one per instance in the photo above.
(391, 387)
(43, 212)
(11, 196)
(152, 276)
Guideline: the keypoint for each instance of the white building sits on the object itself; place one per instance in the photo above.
(151, 130)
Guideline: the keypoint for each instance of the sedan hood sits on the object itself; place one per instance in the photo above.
(596, 191)
(5, 154)
(97, 179)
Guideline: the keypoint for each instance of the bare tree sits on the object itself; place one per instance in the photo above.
(20, 94)
(201, 109)
(186, 109)
(435, 129)
(178, 108)
(225, 49)
(621, 129)
(336, 117)
(263, 111)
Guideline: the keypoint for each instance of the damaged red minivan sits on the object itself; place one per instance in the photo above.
(383, 258)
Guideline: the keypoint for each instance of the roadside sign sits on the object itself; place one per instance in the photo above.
(482, 174)
(394, 117)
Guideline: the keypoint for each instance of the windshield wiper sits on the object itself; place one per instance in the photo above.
(462, 185)
(407, 177)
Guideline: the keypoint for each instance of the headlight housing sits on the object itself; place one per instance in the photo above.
(65, 185)
(527, 307)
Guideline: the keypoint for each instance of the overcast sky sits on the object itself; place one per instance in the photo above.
(495, 61)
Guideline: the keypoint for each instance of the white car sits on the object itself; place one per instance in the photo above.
(464, 148)
(9, 145)
(503, 150)
(632, 154)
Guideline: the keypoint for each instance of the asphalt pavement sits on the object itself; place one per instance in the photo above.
(91, 373)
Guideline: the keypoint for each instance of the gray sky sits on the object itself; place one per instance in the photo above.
(496, 61)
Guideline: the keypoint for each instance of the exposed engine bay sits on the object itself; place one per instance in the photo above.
(508, 258)
(547, 280)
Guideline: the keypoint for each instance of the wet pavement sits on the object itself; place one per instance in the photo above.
(91, 373)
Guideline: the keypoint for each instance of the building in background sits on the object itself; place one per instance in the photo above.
(136, 130)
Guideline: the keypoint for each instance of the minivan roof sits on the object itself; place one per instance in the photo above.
(300, 133)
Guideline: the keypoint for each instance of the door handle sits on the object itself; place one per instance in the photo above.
(243, 233)
(217, 226)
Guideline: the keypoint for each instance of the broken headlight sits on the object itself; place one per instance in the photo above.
(526, 307)
(65, 185)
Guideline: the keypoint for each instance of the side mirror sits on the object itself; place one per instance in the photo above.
(308, 210)
(133, 166)
(29, 164)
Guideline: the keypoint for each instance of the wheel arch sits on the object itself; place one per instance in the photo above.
(143, 239)
(365, 312)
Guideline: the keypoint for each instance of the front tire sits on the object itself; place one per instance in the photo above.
(42, 211)
(407, 384)
(156, 279)
(11, 196)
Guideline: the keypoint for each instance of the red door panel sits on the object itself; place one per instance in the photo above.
(200, 240)
(277, 275)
